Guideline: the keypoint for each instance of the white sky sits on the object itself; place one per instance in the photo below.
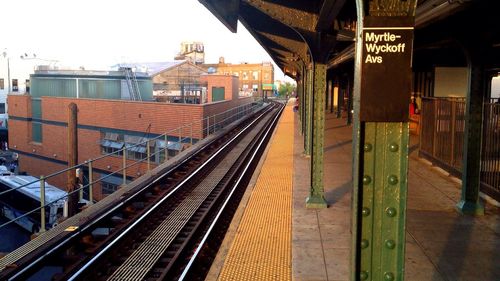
(97, 34)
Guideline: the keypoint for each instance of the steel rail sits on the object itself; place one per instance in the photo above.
(173, 231)
(130, 198)
(154, 208)
(229, 197)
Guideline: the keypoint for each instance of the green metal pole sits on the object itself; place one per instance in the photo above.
(308, 106)
(471, 172)
(301, 104)
(383, 204)
(380, 168)
(316, 197)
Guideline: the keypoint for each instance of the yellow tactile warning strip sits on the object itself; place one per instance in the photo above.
(262, 248)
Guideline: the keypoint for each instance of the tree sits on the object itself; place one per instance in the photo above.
(287, 88)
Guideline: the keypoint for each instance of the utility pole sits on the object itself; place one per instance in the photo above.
(72, 159)
(5, 55)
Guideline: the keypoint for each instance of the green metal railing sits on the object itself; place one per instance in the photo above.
(210, 125)
(442, 139)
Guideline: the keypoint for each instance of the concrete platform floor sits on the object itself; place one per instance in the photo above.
(440, 243)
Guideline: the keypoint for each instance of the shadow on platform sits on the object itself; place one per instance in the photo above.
(441, 244)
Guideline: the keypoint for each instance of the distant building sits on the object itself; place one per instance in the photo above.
(124, 83)
(255, 79)
(107, 121)
(192, 51)
(177, 81)
(18, 71)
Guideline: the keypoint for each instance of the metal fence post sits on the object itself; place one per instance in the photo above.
(91, 179)
(166, 147)
(191, 138)
(124, 158)
(436, 128)
(180, 139)
(214, 123)
(453, 129)
(148, 151)
(80, 185)
(42, 204)
(208, 126)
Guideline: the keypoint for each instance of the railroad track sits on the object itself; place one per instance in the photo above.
(171, 228)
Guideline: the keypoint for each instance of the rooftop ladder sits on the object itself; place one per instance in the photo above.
(133, 86)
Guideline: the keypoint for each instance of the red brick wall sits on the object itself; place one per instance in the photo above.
(125, 115)
(19, 105)
(229, 82)
(38, 167)
(115, 114)
(218, 107)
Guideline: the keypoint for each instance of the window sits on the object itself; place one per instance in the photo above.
(255, 75)
(110, 184)
(2, 108)
(15, 86)
(245, 76)
(255, 87)
(36, 132)
(236, 74)
(111, 136)
(136, 155)
(111, 147)
(2, 85)
(245, 87)
(136, 146)
(111, 143)
(27, 86)
(217, 94)
(266, 76)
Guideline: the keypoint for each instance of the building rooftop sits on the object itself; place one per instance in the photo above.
(151, 68)
(30, 186)
(80, 72)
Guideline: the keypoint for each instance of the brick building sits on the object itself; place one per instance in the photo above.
(106, 125)
(255, 79)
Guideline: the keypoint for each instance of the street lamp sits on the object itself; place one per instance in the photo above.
(26, 56)
(8, 70)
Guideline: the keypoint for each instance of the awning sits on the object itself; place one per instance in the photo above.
(172, 145)
(134, 139)
(136, 148)
(112, 144)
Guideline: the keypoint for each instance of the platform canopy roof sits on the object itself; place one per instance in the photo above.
(295, 33)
